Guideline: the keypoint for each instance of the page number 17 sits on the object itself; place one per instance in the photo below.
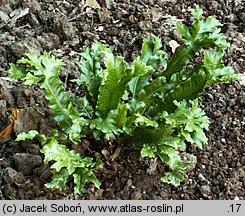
(234, 207)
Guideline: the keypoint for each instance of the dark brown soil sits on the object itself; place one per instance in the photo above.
(63, 27)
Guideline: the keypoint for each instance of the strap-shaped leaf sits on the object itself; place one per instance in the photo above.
(83, 176)
(83, 106)
(45, 69)
(121, 119)
(66, 163)
(189, 89)
(91, 71)
(149, 94)
(113, 86)
(166, 150)
(183, 54)
(202, 33)
(189, 120)
(31, 135)
(78, 129)
(59, 102)
(139, 108)
(141, 73)
(151, 53)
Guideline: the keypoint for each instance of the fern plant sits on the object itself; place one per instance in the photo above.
(132, 104)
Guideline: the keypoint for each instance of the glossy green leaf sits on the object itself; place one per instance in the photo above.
(174, 178)
(197, 12)
(121, 119)
(142, 120)
(91, 70)
(31, 135)
(189, 120)
(59, 180)
(151, 53)
(17, 72)
(217, 71)
(78, 130)
(140, 77)
(203, 33)
(113, 87)
(189, 89)
(45, 69)
(107, 126)
(150, 91)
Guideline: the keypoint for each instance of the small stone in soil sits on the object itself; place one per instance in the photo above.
(12, 176)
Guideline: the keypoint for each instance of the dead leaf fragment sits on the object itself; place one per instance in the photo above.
(173, 44)
(9, 129)
(13, 17)
(4, 17)
(156, 15)
(153, 167)
(242, 81)
(100, 28)
(92, 4)
(99, 193)
(18, 13)
(106, 154)
(89, 12)
(104, 15)
(132, 19)
(115, 154)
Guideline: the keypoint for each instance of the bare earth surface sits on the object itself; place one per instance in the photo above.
(63, 27)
